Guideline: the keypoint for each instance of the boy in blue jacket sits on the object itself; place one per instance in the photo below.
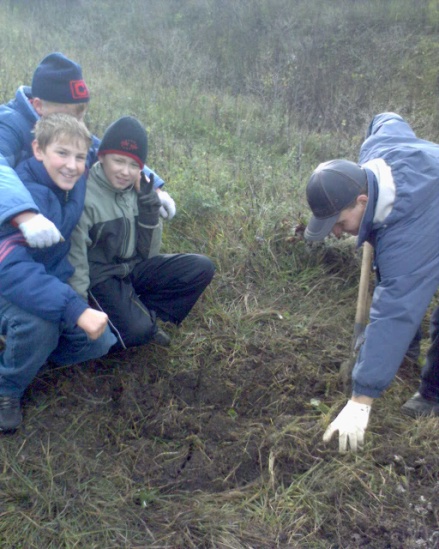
(391, 200)
(57, 86)
(40, 315)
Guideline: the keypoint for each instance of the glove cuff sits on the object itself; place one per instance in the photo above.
(358, 407)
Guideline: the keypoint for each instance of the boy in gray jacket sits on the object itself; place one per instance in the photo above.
(111, 245)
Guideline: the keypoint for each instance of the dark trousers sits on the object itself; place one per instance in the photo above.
(430, 372)
(164, 286)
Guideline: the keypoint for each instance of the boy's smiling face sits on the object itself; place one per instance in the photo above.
(64, 161)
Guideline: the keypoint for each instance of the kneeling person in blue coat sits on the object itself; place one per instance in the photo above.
(42, 317)
(115, 263)
(391, 200)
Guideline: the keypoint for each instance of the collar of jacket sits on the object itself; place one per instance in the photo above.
(23, 96)
(367, 221)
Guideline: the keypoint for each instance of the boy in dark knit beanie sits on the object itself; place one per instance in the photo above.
(111, 245)
(57, 86)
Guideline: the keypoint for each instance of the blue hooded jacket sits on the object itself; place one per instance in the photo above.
(36, 279)
(406, 247)
(17, 120)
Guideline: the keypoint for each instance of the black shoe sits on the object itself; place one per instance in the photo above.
(418, 406)
(10, 413)
(161, 338)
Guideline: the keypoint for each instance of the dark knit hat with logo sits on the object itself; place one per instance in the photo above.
(126, 136)
(59, 80)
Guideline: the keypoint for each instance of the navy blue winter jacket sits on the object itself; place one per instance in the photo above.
(402, 223)
(36, 279)
(17, 120)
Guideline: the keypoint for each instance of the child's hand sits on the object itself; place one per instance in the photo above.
(93, 323)
(38, 231)
(137, 183)
(149, 202)
(168, 208)
(145, 185)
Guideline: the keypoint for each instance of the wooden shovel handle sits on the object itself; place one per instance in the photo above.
(361, 314)
(363, 288)
(361, 317)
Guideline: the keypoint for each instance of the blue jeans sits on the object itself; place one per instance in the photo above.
(31, 341)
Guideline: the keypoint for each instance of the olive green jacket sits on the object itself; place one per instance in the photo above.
(108, 240)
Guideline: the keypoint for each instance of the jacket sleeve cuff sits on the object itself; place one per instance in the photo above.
(74, 310)
(359, 390)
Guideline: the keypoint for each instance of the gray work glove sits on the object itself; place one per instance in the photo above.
(148, 202)
(40, 232)
(168, 208)
(351, 424)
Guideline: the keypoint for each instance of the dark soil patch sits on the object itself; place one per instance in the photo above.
(152, 433)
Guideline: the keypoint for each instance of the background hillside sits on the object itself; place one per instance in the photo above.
(216, 441)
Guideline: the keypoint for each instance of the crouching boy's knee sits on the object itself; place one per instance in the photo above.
(206, 268)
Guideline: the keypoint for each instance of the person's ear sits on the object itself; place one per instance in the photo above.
(37, 104)
(38, 152)
(362, 199)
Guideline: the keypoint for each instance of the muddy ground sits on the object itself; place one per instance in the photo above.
(143, 439)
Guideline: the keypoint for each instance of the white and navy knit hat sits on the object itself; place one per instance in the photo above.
(59, 80)
(126, 136)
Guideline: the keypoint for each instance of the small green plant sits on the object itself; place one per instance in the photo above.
(146, 497)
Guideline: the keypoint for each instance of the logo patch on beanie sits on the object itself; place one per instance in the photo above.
(129, 145)
(79, 89)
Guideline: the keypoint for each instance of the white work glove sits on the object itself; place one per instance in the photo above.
(351, 424)
(167, 209)
(39, 232)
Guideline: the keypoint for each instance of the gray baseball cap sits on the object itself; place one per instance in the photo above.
(332, 187)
